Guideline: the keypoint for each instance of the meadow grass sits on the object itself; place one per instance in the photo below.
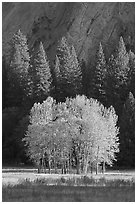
(83, 180)
(71, 188)
(43, 193)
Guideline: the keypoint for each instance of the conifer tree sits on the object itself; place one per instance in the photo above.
(63, 53)
(111, 94)
(70, 71)
(127, 133)
(58, 80)
(5, 84)
(131, 76)
(75, 73)
(85, 76)
(20, 51)
(117, 77)
(99, 77)
(121, 72)
(41, 75)
(122, 68)
(19, 67)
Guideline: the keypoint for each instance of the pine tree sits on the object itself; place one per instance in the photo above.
(122, 68)
(70, 71)
(117, 77)
(111, 94)
(121, 74)
(5, 84)
(41, 75)
(127, 133)
(75, 73)
(99, 77)
(58, 80)
(63, 53)
(19, 68)
(84, 77)
(21, 51)
(131, 76)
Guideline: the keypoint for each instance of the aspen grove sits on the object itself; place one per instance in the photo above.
(78, 133)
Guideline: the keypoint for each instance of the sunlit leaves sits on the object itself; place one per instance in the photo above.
(81, 128)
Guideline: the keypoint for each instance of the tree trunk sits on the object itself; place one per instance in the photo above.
(67, 166)
(45, 168)
(97, 161)
(85, 166)
(97, 168)
(65, 169)
(39, 165)
(55, 167)
(44, 165)
(49, 165)
(78, 167)
(62, 168)
(91, 168)
(70, 165)
(104, 168)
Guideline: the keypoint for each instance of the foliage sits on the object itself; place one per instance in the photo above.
(67, 70)
(127, 132)
(19, 66)
(85, 75)
(121, 72)
(110, 80)
(41, 75)
(24, 84)
(122, 59)
(5, 84)
(99, 78)
(41, 114)
(79, 129)
(131, 76)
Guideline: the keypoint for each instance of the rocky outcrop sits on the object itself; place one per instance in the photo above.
(84, 24)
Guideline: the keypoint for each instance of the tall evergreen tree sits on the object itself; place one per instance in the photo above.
(131, 76)
(117, 86)
(99, 77)
(121, 73)
(122, 68)
(5, 83)
(85, 75)
(41, 75)
(58, 79)
(19, 67)
(75, 73)
(111, 95)
(70, 71)
(127, 133)
(19, 45)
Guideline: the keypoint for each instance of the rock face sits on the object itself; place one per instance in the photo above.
(84, 24)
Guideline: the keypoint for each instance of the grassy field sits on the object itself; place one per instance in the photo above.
(30, 186)
(42, 193)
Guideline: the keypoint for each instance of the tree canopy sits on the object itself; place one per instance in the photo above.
(79, 125)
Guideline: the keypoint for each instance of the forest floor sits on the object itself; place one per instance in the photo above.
(27, 185)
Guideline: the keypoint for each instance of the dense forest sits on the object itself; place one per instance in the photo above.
(28, 80)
